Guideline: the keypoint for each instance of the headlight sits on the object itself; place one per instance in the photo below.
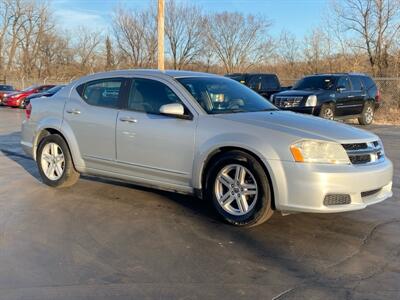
(311, 100)
(271, 99)
(310, 151)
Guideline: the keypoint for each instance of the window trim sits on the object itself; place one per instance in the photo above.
(80, 89)
(130, 82)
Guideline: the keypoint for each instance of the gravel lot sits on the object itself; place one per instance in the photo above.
(110, 240)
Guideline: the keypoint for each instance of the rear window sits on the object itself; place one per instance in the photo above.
(104, 92)
(356, 83)
(368, 82)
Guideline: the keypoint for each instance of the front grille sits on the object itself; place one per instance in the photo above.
(337, 199)
(370, 193)
(364, 153)
(287, 101)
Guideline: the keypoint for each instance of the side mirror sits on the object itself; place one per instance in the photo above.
(174, 110)
(341, 89)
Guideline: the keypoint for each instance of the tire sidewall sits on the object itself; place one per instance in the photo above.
(55, 138)
(364, 119)
(325, 107)
(263, 203)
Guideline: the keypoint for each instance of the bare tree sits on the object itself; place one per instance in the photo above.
(184, 28)
(86, 46)
(109, 54)
(289, 51)
(237, 40)
(135, 34)
(376, 23)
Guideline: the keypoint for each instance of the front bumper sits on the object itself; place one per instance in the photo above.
(13, 102)
(303, 187)
(304, 110)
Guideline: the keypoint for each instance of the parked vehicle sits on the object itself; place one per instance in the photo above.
(47, 93)
(263, 83)
(203, 134)
(333, 96)
(18, 99)
(5, 90)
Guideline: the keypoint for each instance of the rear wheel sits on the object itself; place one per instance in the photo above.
(23, 103)
(327, 112)
(367, 115)
(55, 163)
(239, 189)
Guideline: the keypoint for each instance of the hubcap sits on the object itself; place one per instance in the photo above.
(328, 114)
(236, 189)
(369, 114)
(52, 161)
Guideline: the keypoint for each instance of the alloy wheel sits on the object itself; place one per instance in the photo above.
(369, 115)
(236, 189)
(328, 113)
(52, 161)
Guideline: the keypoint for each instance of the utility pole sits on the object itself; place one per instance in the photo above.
(160, 34)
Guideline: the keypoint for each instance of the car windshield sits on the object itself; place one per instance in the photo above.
(221, 95)
(6, 87)
(55, 89)
(29, 88)
(315, 83)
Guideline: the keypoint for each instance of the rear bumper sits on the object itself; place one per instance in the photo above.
(303, 187)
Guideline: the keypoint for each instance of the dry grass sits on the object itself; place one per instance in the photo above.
(388, 116)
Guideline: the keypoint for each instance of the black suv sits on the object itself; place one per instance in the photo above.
(263, 83)
(333, 96)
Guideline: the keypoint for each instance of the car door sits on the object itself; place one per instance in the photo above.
(343, 97)
(155, 148)
(358, 95)
(91, 113)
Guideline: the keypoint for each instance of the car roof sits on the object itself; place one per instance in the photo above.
(338, 74)
(151, 72)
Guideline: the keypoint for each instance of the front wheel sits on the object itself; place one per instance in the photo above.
(239, 189)
(22, 105)
(55, 163)
(327, 112)
(367, 115)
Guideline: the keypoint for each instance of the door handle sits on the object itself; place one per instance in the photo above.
(74, 111)
(350, 96)
(128, 120)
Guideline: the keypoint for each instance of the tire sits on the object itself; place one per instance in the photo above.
(327, 112)
(367, 115)
(257, 197)
(57, 170)
(22, 105)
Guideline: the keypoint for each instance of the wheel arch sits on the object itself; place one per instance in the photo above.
(48, 130)
(213, 156)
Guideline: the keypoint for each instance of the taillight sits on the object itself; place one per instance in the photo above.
(28, 111)
(378, 96)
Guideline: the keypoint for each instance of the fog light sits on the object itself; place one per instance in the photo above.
(337, 199)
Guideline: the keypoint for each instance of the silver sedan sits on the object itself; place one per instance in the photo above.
(206, 135)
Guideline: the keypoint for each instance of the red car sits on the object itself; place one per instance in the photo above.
(5, 90)
(17, 99)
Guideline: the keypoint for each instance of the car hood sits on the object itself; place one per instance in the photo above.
(303, 126)
(300, 93)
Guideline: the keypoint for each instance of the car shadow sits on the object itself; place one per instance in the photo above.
(300, 246)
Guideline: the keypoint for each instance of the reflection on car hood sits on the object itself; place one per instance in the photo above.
(301, 92)
(303, 126)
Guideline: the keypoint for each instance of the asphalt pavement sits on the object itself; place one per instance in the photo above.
(103, 239)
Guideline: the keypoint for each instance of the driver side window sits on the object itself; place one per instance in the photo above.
(344, 82)
(148, 96)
